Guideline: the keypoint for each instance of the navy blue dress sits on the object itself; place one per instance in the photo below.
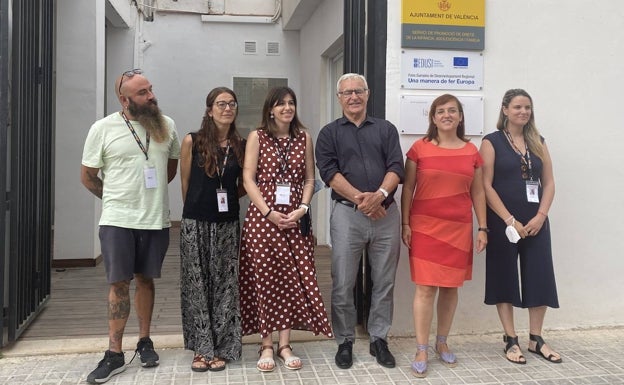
(534, 285)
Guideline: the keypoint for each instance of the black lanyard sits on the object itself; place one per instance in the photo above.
(145, 149)
(283, 156)
(221, 167)
(524, 159)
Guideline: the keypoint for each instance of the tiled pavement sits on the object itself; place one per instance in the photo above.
(590, 357)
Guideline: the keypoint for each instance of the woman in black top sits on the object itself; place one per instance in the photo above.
(211, 162)
(519, 188)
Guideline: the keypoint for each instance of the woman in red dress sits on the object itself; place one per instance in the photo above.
(443, 182)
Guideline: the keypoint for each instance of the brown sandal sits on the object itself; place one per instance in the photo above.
(200, 364)
(216, 364)
(269, 361)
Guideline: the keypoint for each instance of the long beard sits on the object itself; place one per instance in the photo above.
(151, 119)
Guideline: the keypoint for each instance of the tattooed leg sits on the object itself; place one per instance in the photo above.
(118, 312)
(144, 303)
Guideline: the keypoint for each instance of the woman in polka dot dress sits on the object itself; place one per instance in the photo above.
(277, 280)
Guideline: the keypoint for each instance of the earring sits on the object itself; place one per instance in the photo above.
(271, 116)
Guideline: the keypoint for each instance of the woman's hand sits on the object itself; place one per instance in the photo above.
(535, 225)
(520, 229)
(406, 235)
(287, 221)
(280, 220)
(482, 241)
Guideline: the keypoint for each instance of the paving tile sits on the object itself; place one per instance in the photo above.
(480, 361)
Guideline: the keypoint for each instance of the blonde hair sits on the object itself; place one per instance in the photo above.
(531, 135)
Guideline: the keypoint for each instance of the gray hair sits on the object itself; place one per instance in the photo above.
(351, 76)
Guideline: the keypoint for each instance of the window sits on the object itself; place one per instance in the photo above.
(251, 93)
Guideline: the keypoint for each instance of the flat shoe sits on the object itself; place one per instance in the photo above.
(539, 344)
(199, 363)
(288, 362)
(216, 365)
(344, 356)
(419, 368)
(511, 342)
(448, 358)
(379, 350)
(266, 361)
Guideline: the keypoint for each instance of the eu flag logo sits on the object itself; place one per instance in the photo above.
(459, 61)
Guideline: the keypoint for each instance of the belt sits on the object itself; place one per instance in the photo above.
(354, 206)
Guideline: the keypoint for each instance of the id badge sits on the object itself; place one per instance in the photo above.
(149, 172)
(282, 193)
(532, 190)
(222, 201)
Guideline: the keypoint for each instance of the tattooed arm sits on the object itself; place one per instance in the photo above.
(90, 179)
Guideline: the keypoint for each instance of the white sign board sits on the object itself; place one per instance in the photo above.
(441, 70)
(414, 117)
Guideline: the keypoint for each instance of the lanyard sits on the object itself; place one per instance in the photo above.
(524, 159)
(221, 167)
(136, 137)
(283, 155)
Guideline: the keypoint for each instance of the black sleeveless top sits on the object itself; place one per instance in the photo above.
(201, 195)
(508, 181)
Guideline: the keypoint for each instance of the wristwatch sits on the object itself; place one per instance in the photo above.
(384, 192)
(305, 207)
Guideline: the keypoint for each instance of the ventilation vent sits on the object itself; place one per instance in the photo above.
(273, 48)
(251, 48)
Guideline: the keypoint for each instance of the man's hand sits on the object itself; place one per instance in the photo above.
(370, 202)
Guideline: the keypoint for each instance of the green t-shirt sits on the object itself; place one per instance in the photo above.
(126, 202)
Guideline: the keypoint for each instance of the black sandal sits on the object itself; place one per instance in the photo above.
(511, 342)
(539, 344)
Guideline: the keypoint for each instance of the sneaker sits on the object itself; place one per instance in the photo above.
(145, 350)
(113, 363)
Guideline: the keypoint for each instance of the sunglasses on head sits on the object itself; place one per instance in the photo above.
(129, 74)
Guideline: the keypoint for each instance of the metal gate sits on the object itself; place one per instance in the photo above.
(26, 161)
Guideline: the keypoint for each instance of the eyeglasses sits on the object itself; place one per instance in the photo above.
(233, 105)
(357, 91)
(129, 73)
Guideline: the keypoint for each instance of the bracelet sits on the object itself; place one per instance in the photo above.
(485, 229)
(268, 212)
(405, 224)
(507, 220)
(541, 212)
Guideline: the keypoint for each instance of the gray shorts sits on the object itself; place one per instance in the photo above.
(131, 251)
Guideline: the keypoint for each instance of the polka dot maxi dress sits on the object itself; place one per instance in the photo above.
(278, 287)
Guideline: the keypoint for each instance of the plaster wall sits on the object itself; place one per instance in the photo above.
(319, 37)
(185, 58)
(79, 101)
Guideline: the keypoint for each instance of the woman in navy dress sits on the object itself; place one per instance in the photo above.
(519, 187)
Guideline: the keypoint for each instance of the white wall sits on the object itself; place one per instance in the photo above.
(187, 58)
(568, 61)
(320, 33)
(567, 56)
(79, 102)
